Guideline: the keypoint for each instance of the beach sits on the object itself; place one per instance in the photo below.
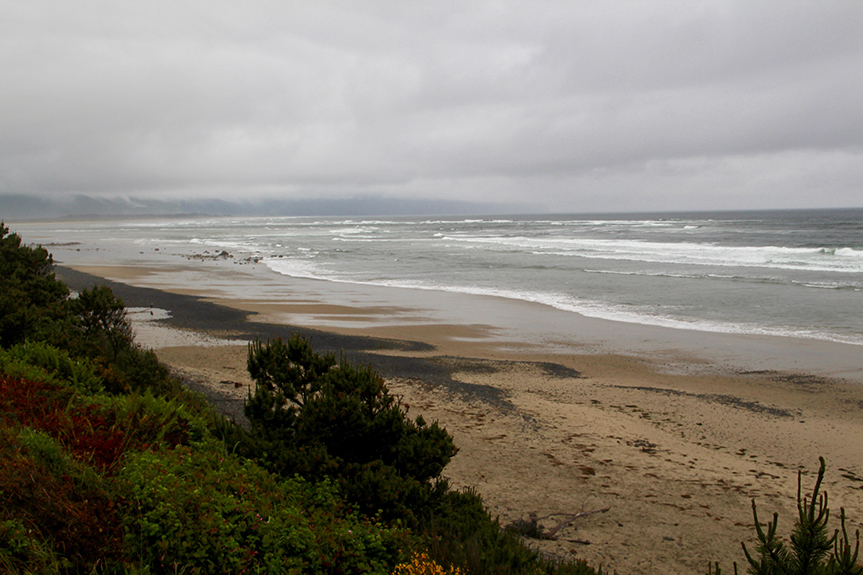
(666, 435)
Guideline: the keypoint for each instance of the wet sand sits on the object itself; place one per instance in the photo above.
(673, 436)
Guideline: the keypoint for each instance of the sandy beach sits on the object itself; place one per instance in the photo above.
(672, 440)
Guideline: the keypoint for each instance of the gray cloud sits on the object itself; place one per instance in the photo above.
(621, 105)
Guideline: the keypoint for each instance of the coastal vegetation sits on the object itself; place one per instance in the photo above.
(108, 464)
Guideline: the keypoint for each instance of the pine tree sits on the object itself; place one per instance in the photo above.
(812, 550)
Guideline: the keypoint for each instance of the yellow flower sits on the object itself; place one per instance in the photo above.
(421, 564)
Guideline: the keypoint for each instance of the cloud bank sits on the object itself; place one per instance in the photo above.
(562, 105)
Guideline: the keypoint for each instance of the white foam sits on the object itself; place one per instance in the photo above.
(296, 268)
(600, 310)
(844, 260)
(563, 302)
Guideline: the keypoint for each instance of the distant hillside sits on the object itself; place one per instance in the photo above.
(41, 207)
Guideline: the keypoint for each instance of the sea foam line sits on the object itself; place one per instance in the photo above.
(843, 260)
(563, 302)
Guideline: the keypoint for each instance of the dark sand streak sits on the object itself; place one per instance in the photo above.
(190, 312)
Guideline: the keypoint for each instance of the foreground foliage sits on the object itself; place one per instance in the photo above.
(130, 482)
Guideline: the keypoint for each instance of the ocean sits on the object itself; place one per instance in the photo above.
(784, 273)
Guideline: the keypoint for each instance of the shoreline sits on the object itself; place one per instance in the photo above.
(676, 450)
(446, 318)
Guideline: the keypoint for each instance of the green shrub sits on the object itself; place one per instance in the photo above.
(42, 362)
(22, 553)
(32, 300)
(135, 369)
(99, 429)
(209, 512)
(48, 454)
(101, 319)
(321, 418)
(461, 532)
(36, 307)
(69, 510)
(148, 420)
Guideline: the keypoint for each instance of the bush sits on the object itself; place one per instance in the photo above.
(98, 430)
(68, 509)
(101, 320)
(32, 300)
(209, 512)
(35, 307)
(20, 552)
(321, 418)
(136, 369)
(169, 505)
(39, 361)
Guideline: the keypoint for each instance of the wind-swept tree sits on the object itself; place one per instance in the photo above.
(320, 417)
(32, 300)
(101, 319)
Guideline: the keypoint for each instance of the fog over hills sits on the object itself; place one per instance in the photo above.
(21, 207)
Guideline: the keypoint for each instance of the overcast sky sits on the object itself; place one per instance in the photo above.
(565, 105)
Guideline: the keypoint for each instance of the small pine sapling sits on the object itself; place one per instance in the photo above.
(812, 551)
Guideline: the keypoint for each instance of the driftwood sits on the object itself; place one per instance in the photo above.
(551, 534)
(532, 529)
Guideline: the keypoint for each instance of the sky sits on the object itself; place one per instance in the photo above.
(555, 105)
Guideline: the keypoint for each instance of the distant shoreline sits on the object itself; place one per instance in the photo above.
(326, 309)
(729, 212)
(192, 313)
